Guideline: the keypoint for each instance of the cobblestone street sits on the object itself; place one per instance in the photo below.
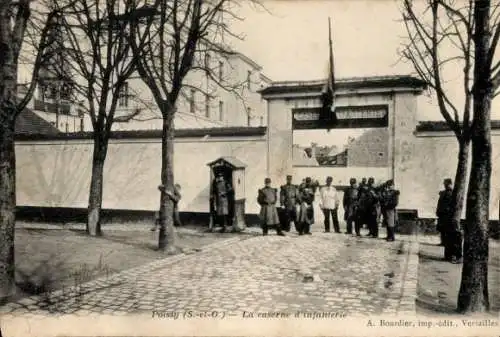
(324, 272)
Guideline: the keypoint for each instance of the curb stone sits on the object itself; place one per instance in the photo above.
(408, 303)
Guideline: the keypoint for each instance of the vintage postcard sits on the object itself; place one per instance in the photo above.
(249, 168)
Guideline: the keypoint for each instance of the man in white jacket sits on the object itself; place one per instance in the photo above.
(329, 204)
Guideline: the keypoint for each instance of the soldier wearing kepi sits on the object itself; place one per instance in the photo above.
(388, 202)
(350, 203)
(289, 198)
(267, 199)
(444, 209)
(372, 200)
(222, 193)
(306, 214)
(451, 236)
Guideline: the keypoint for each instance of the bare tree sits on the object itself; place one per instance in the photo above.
(178, 38)
(97, 44)
(473, 294)
(14, 24)
(438, 36)
(442, 34)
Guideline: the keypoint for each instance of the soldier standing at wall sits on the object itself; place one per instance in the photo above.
(267, 198)
(451, 236)
(289, 199)
(388, 202)
(443, 210)
(371, 200)
(362, 183)
(306, 214)
(350, 203)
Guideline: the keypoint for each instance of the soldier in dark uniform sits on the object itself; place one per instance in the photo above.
(289, 199)
(350, 203)
(267, 198)
(306, 214)
(371, 200)
(451, 236)
(389, 199)
(363, 182)
(444, 209)
(222, 192)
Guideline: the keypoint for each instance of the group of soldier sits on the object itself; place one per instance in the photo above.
(364, 204)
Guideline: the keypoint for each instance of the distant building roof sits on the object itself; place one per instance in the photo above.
(248, 60)
(265, 78)
(316, 86)
(29, 123)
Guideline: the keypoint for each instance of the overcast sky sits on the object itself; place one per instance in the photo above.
(292, 42)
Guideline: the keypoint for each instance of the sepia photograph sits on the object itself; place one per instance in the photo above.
(249, 168)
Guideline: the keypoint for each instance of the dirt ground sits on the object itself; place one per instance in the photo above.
(439, 281)
(48, 259)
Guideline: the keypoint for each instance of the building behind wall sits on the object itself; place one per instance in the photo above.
(419, 155)
(227, 97)
(240, 106)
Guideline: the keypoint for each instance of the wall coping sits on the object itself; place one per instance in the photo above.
(151, 134)
(384, 83)
(441, 129)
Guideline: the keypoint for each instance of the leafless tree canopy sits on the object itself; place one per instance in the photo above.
(440, 40)
(97, 35)
(26, 33)
(180, 37)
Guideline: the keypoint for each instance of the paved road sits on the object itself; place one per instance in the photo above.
(324, 272)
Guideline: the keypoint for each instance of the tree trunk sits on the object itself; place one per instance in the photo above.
(96, 186)
(7, 208)
(167, 236)
(473, 294)
(460, 181)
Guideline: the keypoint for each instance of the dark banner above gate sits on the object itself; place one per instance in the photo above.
(366, 116)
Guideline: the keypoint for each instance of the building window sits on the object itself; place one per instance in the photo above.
(207, 106)
(249, 116)
(221, 111)
(65, 91)
(249, 77)
(192, 100)
(41, 92)
(123, 95)
(207, 64)
(116, 9)
(221, 70)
